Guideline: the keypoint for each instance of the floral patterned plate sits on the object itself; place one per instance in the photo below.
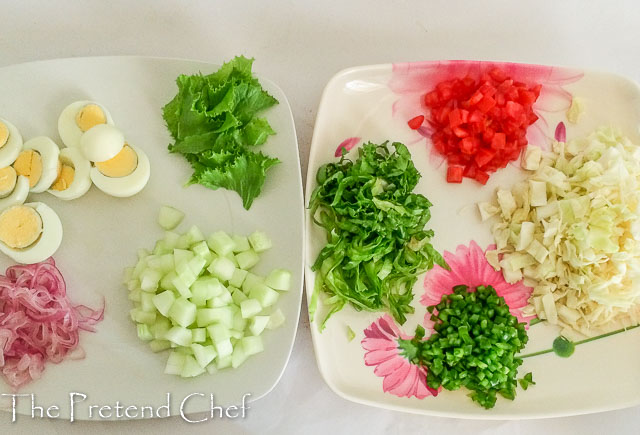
(374, 103)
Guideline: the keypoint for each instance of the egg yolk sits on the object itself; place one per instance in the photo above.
(8, 178)
(4, 134)
(90, 116)
(123, 164)
(65, 178)
(29, 164)
(20, 226)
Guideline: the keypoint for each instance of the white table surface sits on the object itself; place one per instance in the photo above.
(300, 45)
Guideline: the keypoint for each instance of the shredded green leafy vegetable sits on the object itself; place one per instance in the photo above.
(376, 241)
(213, 122)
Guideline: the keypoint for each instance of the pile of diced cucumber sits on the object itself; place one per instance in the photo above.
(196, 296)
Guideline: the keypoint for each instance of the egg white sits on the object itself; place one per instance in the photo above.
(9, 152)
(49, 152)
(81, 178)
(69, 131)
(101, 143)
(46, 245)
(18, 195)
(128, 185)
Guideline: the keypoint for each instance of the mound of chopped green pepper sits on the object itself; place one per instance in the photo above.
(474, 345)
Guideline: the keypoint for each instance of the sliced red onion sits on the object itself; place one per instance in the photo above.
(38, 324)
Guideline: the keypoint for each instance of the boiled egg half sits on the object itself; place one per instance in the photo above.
(30, 233)
(38, 161)
(120, 169)
(80, 117)
(74, 179)
(10, 143)
(14, 188)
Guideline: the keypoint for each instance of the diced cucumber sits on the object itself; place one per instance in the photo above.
(196, 265)
(160, 248)
(265, 295)
(279, 279)
(183, 312)
(250, 308)
(238, 277)
(251, 344)
(149, 280)
(247, 259)
(239, 322)
(223, 362)
(163, 301)
(181, 256)
(181, 287)
(133, 284)
(170, 239)
(179, 335)
(169, 217)
(144, 317)
(146, 302)
(191, 368)
(160, 327)
(276, 319)
(238, 296)
(236, 334)
(222, 300)
(222, 268)
(209, 316)
(203, 354)
(238, 357)
(135, 295)
(257, 324)
(218, 332)
(197, 298)
(175, 363)
(240, 243)
(224, 348)
(199, 335)
(220, 243)
(194, 235)
(144, 333)
(259, 241)
(250, 282)
(201, 249)
(159, 345)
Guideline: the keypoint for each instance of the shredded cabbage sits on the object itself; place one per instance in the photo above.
(573, 229)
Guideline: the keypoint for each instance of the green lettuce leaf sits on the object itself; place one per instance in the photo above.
(213, 122)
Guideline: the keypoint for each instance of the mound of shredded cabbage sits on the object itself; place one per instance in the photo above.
(573, 229)
(37, 321)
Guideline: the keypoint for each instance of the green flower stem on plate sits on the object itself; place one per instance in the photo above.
(586, 340)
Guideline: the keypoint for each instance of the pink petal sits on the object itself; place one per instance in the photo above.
(375, 357)
(385, 368)
(347, 144)
(561, 132)
(396, 378)
(407, 387)
(378, 344)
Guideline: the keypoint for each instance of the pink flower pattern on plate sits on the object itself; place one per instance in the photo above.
(410, 81)
(469, 266)
(401, 377)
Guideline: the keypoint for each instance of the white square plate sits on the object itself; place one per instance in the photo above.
(102, 233)
(374, 103)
